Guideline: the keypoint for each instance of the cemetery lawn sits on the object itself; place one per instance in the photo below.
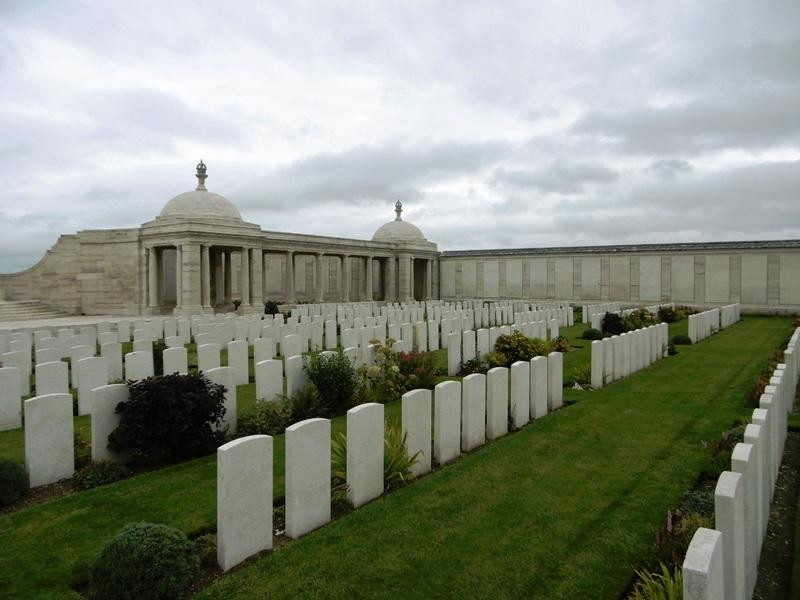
(47, 546)
(565, 508)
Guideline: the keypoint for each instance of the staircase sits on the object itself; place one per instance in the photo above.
(27, 310)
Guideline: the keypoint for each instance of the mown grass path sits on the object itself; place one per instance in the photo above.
(533, 475)
(564, 508)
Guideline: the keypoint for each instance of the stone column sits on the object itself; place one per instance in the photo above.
(178, 276)
(245, 278)
(257, 270)
(368, 275)
(205, 259)
(227, 276)
(190, 302)
(391, 279)
(429, 279)
(219, 278)
(346, 278)
(152, 278)
(319, 294)
(290, 277)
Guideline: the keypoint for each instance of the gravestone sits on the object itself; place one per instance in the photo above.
(105, 419)
(269, 380)
(496, 403)
(308, 476)
(51, 378)
(520, 393)
(447, 421)
(416, 419)
(364, 453)
(473, 411)
(10, 398)
(49, 441)
(176, 360)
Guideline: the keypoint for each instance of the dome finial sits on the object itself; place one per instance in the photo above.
(201, 176)
(398, 208)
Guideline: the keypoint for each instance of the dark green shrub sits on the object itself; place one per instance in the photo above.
(515, 346)
(145, 561)
(474, 365)
(581, 375)
(699, 501)
(335, 379)
(100, 473)
(170, 418)
(592, 334)
(671, 349)
(207, 549)
(673, 539)
(158, 358)
(613, 324)
(13, 481)
(271, 307)
(681, 339)
(268, 418)
(307, 403)
(667, 314)
(641, 317)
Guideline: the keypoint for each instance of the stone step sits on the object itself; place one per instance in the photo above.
(27, 310)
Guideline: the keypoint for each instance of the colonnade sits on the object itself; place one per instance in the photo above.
(202, 277)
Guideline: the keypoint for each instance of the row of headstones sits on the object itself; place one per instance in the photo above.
(590, 310)
(622, 355)
(722, 563)
(703, 324)
(49, 441)
(596, 317)
(465, 415)
(470, 345)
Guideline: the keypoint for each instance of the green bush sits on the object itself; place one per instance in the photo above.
(13, 481)
(335, 379)
(145, 561)
(641, 317)
(268, 418)
(474, 365)
(100, 473)
(560, 344)
(271, 308)
(158, 358)
(515, 346)
(170, 418)
(496, 359)
(307, 403)
(699, 501)
(582, 375)
(417, 370)
(613, 324)
(681, 339)
(666, 585)
(592, 334)
(667, 314)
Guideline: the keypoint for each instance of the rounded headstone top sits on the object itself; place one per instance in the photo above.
(200, 202)
(399, 230)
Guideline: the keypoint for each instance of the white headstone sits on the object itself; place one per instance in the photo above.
(473, 411)
(743, 460)
(10, 398)
(105, 419)
(447, 421)
(416, 418)
(496, 403)
(244, 499)
(92, 373)
(539, 387)
(51, 378)
(49, 442)
(555, 378)
(208, 357)
(364, 453)
(703, 568)
(296, 376)
(112, 354)
(454, 353)
(597, 364)
(138, 365)
(269, 380)
(226, 376)
(238, 359)
(729, 520)
(290, 345)
(520, 393)
(176, 360)
(308, 476)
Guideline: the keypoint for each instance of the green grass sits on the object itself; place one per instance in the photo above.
(565, 508)
(46, 544)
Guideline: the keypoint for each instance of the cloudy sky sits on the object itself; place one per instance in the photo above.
(498, 124)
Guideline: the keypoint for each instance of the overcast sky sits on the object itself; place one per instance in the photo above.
(498, 124)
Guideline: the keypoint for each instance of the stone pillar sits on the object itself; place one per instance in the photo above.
(245, 278)
(178, 276)
(205, 259)
(319, 294)
(290, 277)
(391, 279)
(368, 275)
(219, 278)
(345, 278)
(152, 278)
(411, 278)
(226, 262)
(429, 279)
(435, 279)
(257, 283)
(190, 302)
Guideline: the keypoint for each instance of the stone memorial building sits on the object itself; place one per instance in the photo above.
(199, 256)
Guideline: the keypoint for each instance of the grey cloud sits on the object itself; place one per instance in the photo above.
(748, 120)
(669, 168)
(367, 173)
(562, 176)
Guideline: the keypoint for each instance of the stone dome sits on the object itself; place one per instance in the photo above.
(200, 202)
(399, 230)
